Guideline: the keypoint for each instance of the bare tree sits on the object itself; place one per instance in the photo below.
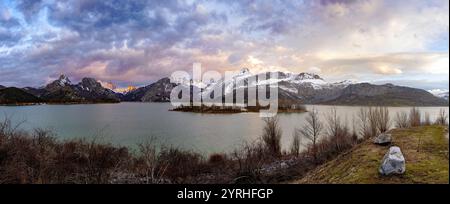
(334, 128)
(364, 126)
(272, 135)
(427, 120)
(152, 168)
(295, 145)
(442, 118)
(401, 120)
(383, 121)
(373, 121)
(414, 117)
(311, 130)
(354, 133)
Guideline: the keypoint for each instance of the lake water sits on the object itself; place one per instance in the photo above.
(132, 123)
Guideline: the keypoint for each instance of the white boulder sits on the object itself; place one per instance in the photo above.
(383, 139)
(393, 162)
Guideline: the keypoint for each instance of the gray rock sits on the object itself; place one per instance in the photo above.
(383, 139)
(393, 162)
(283, 165)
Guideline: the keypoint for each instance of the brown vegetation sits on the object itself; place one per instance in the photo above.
(37, 157)
(401, 120)
(414, 117)
(272, 136)
(442, 118)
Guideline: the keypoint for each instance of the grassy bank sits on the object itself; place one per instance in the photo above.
(425, 149)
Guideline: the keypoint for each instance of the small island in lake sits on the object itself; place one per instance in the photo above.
(230, 109)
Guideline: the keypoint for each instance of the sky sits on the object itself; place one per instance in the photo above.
(405, 42)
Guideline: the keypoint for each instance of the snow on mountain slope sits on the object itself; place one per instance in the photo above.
(291, 85)
(441, 93)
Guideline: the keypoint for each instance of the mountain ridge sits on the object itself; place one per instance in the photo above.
(301, 88)
(13, 96)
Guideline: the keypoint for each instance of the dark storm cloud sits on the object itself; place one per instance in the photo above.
(262, 15)
(9, 28)
(126, 36)
(9, 23)
(8, 38)
(29, 8)
(135, 42)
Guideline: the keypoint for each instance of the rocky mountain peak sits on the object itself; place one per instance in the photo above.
(165, 80)
(306, 76)
(244, 71)
(90, 82)
(63, 80)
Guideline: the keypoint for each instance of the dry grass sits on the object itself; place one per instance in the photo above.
(360, 164)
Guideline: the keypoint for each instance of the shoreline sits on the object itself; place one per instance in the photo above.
(54, 103)
(233, 110)
(95, 103)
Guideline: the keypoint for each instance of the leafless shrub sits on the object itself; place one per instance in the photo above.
(217, 158)
(382, 119)
(39, 158)
(44, 144)
(354, 129)
(414, 117)
(427, 120)
(442, 118)
(150, 165)
(327, 148)
(373, 121)
(180, 165)
(401, 120)
(250, 159)
(364, 124)
(7, 129)
(312, 130)
(102, 160)
(295, 145)
(272, 136)
(335, 130)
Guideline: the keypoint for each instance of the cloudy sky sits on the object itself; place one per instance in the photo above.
(405, 42)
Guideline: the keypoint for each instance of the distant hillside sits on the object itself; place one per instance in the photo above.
(293, 89)
(16, 96)
(385, 95)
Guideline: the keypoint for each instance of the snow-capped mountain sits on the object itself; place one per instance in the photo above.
(61, 82)
(62, 90)
(301, 88)
(441, 93)
(309, 88)
(298, 88)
